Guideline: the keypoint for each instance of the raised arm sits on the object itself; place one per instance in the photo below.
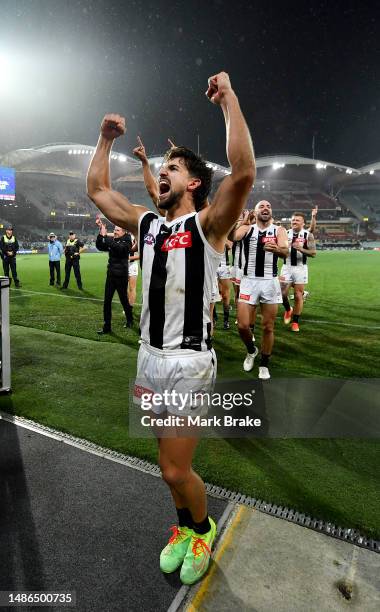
(115, 206)
(313, 221)
(151, 183)
(241, 227)
(231, 197)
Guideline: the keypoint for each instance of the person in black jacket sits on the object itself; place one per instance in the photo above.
(119, 248)
(73, 249)
(9, 247)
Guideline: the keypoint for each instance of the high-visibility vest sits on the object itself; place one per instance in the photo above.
(9, 240)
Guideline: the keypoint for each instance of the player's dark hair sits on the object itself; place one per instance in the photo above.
(197, 168)
(299, 214)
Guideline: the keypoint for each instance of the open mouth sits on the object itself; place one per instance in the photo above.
(164, 187)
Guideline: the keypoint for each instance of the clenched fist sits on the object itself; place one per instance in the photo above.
(218, 85)
(112, 126)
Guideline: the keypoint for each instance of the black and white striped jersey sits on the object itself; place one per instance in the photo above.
(226, 256)
(296, 258)
(225, 261)
(259, 263)
(178, 270)
(238, 254)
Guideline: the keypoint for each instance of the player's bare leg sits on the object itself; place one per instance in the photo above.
(187, 488)
(245, 312)
(225, 292)
(212, 308)
(285, 300)
(132, 281)
(298, 306)
(269, 313)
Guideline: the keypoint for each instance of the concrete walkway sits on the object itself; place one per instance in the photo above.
(264, 564)
(76, 521)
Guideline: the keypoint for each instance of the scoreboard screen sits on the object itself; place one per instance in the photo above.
(7, 183)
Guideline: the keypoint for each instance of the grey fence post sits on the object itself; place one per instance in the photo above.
(5, 347)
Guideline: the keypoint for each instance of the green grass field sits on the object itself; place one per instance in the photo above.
(65, 376)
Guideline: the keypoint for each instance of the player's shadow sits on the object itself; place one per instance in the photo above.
(231, 600)
(77, 293)
(20, 559)
(262, 454)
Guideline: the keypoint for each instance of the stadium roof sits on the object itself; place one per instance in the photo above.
(72, 160)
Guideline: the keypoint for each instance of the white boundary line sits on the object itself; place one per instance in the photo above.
(18, 293)
(340, 323)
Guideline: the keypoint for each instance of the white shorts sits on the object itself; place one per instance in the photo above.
(255, 291)
(215, 295)
(133, 268)
(162, 373)
(294, 274)
(223, 272)
(237, 275)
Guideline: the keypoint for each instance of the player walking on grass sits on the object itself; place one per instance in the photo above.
(262, 244)
(179, 257)
(294, 272)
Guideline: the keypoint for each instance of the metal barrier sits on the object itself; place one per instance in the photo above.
(5, 348)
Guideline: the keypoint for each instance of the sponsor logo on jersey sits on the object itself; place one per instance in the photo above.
(271, 239)
(139, 390)
(182, 240)
(243, 296)
(149, 239)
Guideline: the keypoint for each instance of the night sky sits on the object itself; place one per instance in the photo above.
(299, 68)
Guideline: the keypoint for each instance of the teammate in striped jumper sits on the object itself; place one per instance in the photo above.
(294, 272)
(263, 243)
(179, 256)
(224, 281)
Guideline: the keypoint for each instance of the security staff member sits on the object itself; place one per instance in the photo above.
(9, 247)
(73, 248)
(119, 248)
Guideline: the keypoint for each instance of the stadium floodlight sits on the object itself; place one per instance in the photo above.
(122, 158)
(371, 171)
(320, 166)
(348, 171)
(70, 152)
(277, 165)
